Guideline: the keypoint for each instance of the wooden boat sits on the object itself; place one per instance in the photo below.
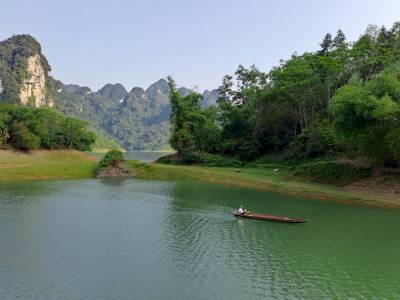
(250, 215)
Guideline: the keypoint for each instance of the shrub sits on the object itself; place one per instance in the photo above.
(332, 172)
(201, 158)
(21, 138)
(314, 142)
(112, 158)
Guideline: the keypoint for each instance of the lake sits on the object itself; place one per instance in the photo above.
(132, 239)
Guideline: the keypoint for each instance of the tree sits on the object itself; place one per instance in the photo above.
(245, 82)
(4, 118)
(75, 136)
(326, 44)
(193, 128)
(344, 97)
(367, 116)
(21, 138)
(297, 81)
(340, 40)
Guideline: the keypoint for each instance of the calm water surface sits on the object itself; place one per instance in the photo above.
(93, 239)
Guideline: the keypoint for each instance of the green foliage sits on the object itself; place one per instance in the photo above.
(314, 142)
(331, 172)
(75, 136)
(201, 158)
(343, 98)
(193, 128)
(28, 128)
(21, 138)
(112, 158)
(366, 115)
(213, 160)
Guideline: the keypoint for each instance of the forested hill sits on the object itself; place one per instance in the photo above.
(342, 100)
(138, 119)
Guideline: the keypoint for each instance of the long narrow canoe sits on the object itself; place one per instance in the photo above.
(250, 215)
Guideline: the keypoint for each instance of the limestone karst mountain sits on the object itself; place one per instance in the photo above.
(24, 72)
(138, 119)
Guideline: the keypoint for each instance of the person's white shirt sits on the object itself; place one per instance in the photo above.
(241, 210)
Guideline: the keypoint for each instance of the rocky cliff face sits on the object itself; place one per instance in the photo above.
(33, 89)
(23, 72)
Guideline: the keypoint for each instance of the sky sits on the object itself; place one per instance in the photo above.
(94, 42)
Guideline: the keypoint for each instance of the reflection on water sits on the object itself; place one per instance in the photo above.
(95, 239)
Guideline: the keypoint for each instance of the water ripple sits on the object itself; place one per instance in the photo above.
(149, 240)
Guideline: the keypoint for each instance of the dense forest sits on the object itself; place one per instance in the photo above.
(343, 99)
(26, 128)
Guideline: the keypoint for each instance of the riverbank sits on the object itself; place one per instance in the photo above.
(63, 164)
(266, 179)
(43, 164)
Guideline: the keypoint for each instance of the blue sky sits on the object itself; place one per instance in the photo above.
(135, 43)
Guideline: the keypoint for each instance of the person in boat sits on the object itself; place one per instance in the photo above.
(242, 210)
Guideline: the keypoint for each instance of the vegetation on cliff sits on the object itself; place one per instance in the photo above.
(14, 55)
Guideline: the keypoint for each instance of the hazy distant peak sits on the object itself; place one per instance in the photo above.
(210, 97)
(71, 88)
(184, 91)
(158, 93)
(113, 91)
(83, 91)
(138, 91)
(160, 85)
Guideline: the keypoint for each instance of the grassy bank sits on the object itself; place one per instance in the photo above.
(263, 179)
(76, 165)
(43, 164)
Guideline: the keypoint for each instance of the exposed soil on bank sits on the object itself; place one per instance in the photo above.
(118, 171)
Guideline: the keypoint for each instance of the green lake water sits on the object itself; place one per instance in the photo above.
(93, 239)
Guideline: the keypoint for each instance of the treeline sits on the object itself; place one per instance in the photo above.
(343, 98)
(27, 128)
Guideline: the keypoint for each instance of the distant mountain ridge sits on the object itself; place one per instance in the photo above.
(138, 119)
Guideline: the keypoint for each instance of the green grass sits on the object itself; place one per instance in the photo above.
(45, 165)
(76, 165)
(258, 178)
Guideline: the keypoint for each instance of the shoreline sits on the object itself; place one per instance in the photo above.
(70, 164)
(263, 179)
